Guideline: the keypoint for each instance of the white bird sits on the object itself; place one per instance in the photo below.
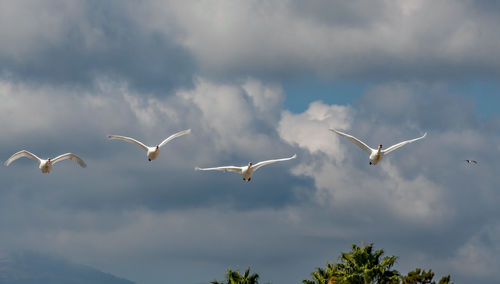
(152, 152)
(471, 161)
(245, 171)
(45, 165)
(376, 155)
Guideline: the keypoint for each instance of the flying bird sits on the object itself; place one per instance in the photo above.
(471, 162)
(152, 152)
(376, 155)
(45, 165)
(245, 171)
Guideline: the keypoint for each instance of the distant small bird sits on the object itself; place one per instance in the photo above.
(376, 155)
(45, 165)
(152, 152)
(471, 162)
(245, 171)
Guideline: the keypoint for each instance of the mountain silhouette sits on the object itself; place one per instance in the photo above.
(32, 267)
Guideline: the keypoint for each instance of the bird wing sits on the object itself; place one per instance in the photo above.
(222, 169)
(401, 144)
(263, 163)
(180, 133)
(69, 156)
(22, 153)
(355, 140)
(128, 139)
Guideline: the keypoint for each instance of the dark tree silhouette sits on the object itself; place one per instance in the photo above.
(419, 276)
(234, 277)
(362, 265)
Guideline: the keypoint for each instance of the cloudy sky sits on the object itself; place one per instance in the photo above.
(254, 80)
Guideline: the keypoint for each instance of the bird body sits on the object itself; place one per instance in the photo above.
(151, 152)
(247, 171)
(45, 165)
(471, 161)
(376, 155)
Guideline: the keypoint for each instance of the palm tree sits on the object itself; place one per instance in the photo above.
(234, 277)
(419, 276)
(322, 276)
(364, 266)
(360, 266)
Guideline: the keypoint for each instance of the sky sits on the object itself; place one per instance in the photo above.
(253, 80)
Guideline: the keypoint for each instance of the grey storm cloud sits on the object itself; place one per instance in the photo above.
(158, 46)
(75, 42)
(425, 194)
(120, 192)
(223, 119)
(74, 72)
(336, 39)
(123, 210)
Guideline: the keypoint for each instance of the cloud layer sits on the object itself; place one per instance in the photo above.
(73, 72)
(157, 45)
(123, 210)
(336, 39)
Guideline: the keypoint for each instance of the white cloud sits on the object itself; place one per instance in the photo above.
(335, 39)
(29, 109)
(310, 130)
(81, 213)
(331, 38)
(341, 183)
(268, 99)
(235, 115)
(43, 23)
(163, 212)
(478, 256)
(121, 209)
(225, 113)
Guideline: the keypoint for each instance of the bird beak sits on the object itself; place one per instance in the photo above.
(380, 146)
(249, 164)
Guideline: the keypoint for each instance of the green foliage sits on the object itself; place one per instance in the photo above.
(322, 276)
(445, 280)
(360, 266)
(365, 266)
(234, 277)
(419, 276)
